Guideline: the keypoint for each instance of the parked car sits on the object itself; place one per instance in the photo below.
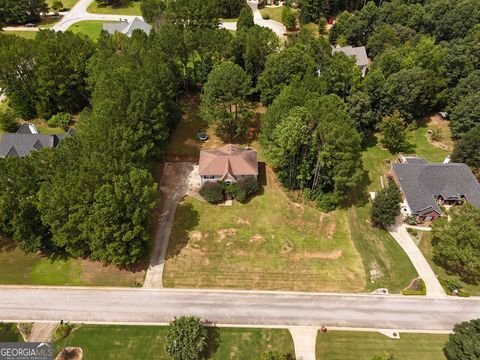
(30, 25)
(202, 135)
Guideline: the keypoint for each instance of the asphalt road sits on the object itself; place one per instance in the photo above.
(157, 306)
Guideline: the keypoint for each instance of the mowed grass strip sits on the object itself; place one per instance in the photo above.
(148, 342)
(268, 243)
(23, 268)
(129, 7)
(345, 345)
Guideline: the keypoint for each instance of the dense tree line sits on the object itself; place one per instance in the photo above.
(21, 11)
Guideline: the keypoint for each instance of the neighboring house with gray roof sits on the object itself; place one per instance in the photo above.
(26, 140)
(360, 55)
(126, 27)
(427, 186)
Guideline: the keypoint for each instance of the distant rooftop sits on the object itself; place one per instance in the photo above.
(359, 52)
(126, 27)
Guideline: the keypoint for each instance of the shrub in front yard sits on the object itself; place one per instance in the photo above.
(61, 120)
(212, 192)
(411, 220)
(245, 187)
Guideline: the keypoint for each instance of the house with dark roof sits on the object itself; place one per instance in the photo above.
(359, 53)
(27, 139)
(428, 186)
(126, 27)
(227, 163)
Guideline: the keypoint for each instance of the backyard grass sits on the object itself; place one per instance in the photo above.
(275, 13)
(24, 34)
(341, 345)
(148, 342)
(9, 333)
(129, 7)
(21, 268)
(91, 28)
(425, 246)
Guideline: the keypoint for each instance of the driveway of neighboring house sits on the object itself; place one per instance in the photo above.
(273, 25)
(304, 341)
(175, 184)
(400, 234)
(42, 331)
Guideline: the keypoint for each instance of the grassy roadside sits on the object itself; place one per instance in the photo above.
(274, 13)
(9, 333)
(425, 246)
(341, 345)
(148, 342)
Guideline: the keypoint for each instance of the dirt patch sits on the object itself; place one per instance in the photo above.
(440, 127)
(330, 230)
(196, 235)
(327, 255)
(96, 272)
(286, 248)
(256, 238)
(241, 221)
(70, 353)
(222, 234)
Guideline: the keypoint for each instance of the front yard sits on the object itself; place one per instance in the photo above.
(21, 268)
(147, 342)
(340, 345)
(128, 7)
(91, 28)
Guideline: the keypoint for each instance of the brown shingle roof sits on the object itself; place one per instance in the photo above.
(229, 159)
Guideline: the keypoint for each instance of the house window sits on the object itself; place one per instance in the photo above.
(428, 218)
(209, 177)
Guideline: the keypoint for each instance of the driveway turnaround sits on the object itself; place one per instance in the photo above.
(400, 234)
(174, 186)
(79, 13)
(235, 308)
(273, 25)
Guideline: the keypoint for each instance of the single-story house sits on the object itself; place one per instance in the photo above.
(126, 27)
(427, 186)
(227, 163)
(360, 55)
(27, 139)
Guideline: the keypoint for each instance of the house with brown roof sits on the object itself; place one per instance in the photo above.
(228, 163)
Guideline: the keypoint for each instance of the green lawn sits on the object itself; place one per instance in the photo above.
(275, 13)
(424, 148)
(91, 28)
(425, 247)
(9, 333)
(130, 7)
(147, 342)
(268, 243)
(66, 3)
(32, 269)
(24, 34)
(341, 345)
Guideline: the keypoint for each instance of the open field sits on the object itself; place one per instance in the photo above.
(9, 333)
(147, 342)
(425, 246)
(21, 268)
(91, 28)
(129, 7)
(340, 345)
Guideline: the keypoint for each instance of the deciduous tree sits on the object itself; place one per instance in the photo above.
(186, 338)
(386, 205)
(463, 343)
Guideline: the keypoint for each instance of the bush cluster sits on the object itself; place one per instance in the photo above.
(214, 192)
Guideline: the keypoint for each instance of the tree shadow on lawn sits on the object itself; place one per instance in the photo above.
(186, 219)
(262, 182)
(213, 343)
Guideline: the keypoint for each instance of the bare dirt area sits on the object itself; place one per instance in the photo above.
(439, 134)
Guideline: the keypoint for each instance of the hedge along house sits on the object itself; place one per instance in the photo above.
(428, 186)
(227, 163)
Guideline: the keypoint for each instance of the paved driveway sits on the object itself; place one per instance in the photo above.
(174, 186)
(400, 234)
